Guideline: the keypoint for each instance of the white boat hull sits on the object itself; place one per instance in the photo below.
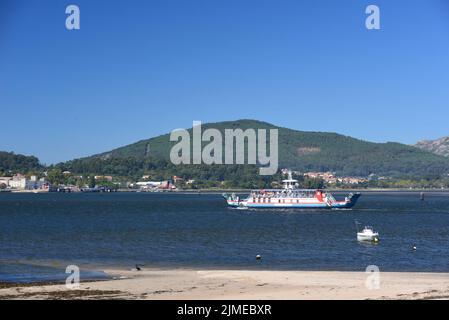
(367, 237)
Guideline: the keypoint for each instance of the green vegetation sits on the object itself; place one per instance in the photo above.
(55, 177)
(204, 176)
(405, 166)
(13, 163)
(305, 151)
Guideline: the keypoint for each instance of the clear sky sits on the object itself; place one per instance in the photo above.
(137, 69)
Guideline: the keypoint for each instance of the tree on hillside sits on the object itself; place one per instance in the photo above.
(92, 181)
(55, 176)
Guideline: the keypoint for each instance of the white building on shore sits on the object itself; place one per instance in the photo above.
(18, 182)
(21, 182)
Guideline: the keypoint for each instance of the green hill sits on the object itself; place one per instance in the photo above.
(298, 150)
(18, 163)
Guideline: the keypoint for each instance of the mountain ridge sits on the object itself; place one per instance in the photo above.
(305, 151)
(438, 146)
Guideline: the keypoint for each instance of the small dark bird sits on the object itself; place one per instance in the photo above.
(258, 257)
(138, 267)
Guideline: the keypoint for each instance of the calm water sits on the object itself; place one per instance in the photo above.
(40, 234)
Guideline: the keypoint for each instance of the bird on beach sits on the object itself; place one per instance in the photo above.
(138, 267)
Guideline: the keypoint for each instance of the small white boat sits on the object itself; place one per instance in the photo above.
(368, 234)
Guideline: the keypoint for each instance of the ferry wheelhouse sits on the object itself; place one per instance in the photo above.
(291, 197)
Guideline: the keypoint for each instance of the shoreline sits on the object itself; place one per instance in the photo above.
(221, 191)
(200, 284)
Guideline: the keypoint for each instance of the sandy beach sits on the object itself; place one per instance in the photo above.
(151, 284)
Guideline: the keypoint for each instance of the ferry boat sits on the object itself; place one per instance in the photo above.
(291, 197)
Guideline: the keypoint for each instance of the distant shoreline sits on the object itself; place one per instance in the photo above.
(221, 191)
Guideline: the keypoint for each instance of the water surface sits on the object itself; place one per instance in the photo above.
(40, 234)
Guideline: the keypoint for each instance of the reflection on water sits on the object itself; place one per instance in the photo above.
(32, 272)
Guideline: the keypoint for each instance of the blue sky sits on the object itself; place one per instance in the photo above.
(137, 69)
